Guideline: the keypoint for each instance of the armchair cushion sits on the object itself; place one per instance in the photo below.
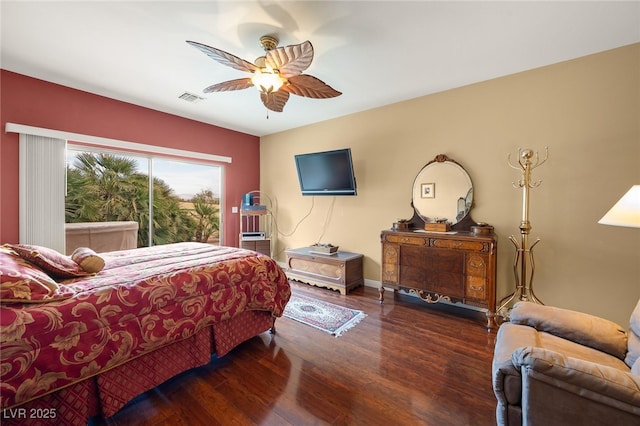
(588, 330)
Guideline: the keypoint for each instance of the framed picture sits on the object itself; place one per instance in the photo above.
(428, 190)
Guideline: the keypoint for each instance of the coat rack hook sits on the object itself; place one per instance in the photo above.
(523, 266)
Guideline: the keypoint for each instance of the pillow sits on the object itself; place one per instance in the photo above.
(633, 353)
(23, 282)
(88, 259)
(55, 264)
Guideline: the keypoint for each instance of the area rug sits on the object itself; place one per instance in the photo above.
(330, 318)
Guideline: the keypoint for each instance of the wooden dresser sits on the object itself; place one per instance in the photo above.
(456, 267)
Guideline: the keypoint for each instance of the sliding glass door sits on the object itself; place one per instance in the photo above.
(171, 200)
(198, 189)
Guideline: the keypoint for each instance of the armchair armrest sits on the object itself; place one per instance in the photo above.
(507, 379)
(588, 330)
(606, 385)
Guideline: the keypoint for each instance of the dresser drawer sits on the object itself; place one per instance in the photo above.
(457, 244)
(476, 276)
(404, 239)
(476, 288)
(390, 263)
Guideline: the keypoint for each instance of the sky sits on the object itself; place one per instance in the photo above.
(188, 178)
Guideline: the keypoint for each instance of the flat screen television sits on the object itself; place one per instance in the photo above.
(326, 173)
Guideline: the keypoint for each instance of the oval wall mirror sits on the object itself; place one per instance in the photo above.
(442, 192)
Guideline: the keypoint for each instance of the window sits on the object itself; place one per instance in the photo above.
(172, 200)
(43, 163)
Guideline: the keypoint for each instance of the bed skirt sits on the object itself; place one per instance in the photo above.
(103, 395)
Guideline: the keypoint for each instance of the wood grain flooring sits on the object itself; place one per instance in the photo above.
(406, 363)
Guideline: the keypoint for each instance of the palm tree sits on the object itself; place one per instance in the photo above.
(104, 187)
(207, 216)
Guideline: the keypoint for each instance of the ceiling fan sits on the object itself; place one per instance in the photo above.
(276, 74)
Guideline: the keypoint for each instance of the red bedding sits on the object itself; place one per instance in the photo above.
(142, 300)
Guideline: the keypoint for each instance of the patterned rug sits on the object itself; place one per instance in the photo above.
(330, 318)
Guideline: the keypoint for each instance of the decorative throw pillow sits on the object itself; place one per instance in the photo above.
(633, 352)
(55, 264)
(88, 259)
(23, 282)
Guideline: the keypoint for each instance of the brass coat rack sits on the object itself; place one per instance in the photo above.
(527, 161)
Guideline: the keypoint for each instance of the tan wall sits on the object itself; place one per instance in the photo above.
(587, 111)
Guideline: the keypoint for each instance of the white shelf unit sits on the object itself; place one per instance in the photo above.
(256, 224)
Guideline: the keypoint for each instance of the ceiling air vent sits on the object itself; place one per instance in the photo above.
(190, 97)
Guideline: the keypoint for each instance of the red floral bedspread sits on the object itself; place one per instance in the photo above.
(143, 299)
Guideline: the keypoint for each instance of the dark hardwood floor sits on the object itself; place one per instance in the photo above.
(406, 363)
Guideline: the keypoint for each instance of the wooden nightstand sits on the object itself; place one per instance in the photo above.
(341, 271)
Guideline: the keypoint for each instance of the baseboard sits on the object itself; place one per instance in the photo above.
(375, 284)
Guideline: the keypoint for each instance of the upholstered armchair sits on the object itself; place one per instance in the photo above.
(554, 366)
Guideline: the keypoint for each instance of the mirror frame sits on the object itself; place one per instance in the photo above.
(417, 221)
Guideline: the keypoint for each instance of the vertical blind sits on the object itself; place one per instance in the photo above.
(42, 191)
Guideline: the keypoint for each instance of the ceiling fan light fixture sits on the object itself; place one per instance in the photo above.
(266, 80)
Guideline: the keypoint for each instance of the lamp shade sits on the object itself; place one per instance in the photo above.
(626, 212)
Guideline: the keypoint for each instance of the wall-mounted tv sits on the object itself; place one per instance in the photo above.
(326, 173)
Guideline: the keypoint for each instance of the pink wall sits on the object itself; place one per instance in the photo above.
(32, 102)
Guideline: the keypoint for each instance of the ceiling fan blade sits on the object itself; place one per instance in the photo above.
(275, 101)
(290, 60)
(227, 86)
(310, 87)
(224, 58)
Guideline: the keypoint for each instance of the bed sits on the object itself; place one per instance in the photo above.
(76, 344)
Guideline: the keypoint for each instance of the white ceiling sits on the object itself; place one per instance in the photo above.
(376, 53)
